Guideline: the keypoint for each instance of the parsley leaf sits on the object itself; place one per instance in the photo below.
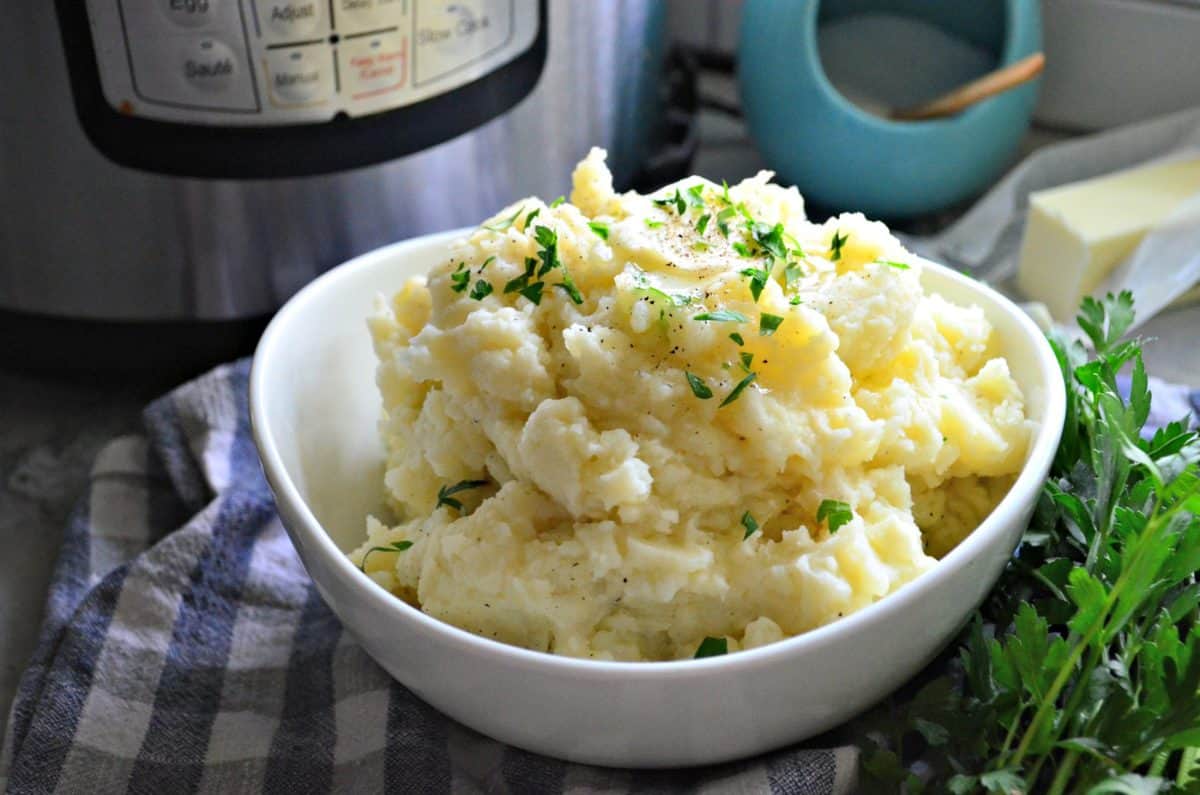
(487, 262)
(722, 316)
(767, 324)
(743, 250)
(695, 195)
(702, 224)
(529, 218)
(795, 300)
(737, 338)
(723, 220)
(558, 202)
(446, 493)
(398, 546)
(699, 388)
(533, 292)
(712, 647)
(750, 525)
(567, 285)
(505, 223)
(481, 290)
(600, 228)
(771, 239)
(747, 359)
(652, 224)
(835, 246)
(676, 201)
(758, 280)
(835, 513)
(737, 390)
(521, 282)
(791, 275)
(699, 245)
(460, 278)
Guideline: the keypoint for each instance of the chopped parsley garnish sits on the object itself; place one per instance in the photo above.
(548, 254)
(758, 280)
(722, 316)
(702, 224)
(529, 218)
(743, 250)
(699, 388)
(750, 525)
(903, 266)
(770, 238)
(487, 262)
(835, 246)
(521, 282)
(712, 647)
(600, 228)
(700, 245)
(695, 195)
(767, 323)
(725, 193)
(835, 513)
(533, 292)
(567, 285)
(481, 290)
(796, 300)
(675, 201)
(738, 389)
(446, 493)
(460, 278)
(747, 359)
(723, 220)
(398, 546)
(505, 223)
(737, 338)
(791, 275)
(652, 224)
(558, 202)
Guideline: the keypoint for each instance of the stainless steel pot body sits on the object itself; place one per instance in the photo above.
(83, 238)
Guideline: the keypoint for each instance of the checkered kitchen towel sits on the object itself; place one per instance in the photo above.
(185, 649)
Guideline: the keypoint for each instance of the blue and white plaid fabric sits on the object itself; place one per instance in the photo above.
(185, 650)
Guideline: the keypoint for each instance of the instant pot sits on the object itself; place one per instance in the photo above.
(172, 170)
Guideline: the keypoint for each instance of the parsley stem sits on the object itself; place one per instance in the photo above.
(1062, 775)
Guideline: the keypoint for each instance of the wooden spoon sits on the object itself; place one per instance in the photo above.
(963, 97)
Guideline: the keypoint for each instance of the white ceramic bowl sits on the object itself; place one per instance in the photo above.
(314, 408)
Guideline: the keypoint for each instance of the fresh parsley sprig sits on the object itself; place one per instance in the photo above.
(446, 493)
(1081, 672)
(397, 546)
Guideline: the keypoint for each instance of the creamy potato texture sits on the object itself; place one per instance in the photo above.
(611, 424)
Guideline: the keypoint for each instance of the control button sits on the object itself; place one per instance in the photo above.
(450, 35)
(191, 13)
(362, 15)
(289, 19)
(299, 75)
(374, 65)
(209, 65)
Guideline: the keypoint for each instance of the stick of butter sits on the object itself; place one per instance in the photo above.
(1077, 234)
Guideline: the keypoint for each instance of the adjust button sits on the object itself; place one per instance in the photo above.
(209, 65)
(191, 13)
(299, 75)
(290, 19)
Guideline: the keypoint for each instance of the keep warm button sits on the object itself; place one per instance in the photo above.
(373, 65)
(209, 65)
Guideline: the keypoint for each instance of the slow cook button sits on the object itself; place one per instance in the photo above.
(286, 20)
(191, 13)
(375, 64)
(299, 75)
(209, 65)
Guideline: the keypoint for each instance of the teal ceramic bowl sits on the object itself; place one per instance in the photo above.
(842, 157)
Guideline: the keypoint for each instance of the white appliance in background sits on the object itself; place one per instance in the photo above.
(1114, 62)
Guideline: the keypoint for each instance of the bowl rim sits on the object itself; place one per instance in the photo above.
(1025, 488)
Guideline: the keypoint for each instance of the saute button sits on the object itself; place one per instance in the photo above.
(210, 65)
(299, 75)
(191, 13)
(284, 19)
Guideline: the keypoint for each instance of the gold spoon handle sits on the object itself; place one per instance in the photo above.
(964, 96)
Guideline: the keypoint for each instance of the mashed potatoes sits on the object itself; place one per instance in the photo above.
(621, 425)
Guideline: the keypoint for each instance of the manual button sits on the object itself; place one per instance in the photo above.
(299, 75)
(209, 65)
(290, 19)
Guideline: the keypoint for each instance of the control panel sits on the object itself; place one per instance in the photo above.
(281, 62)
